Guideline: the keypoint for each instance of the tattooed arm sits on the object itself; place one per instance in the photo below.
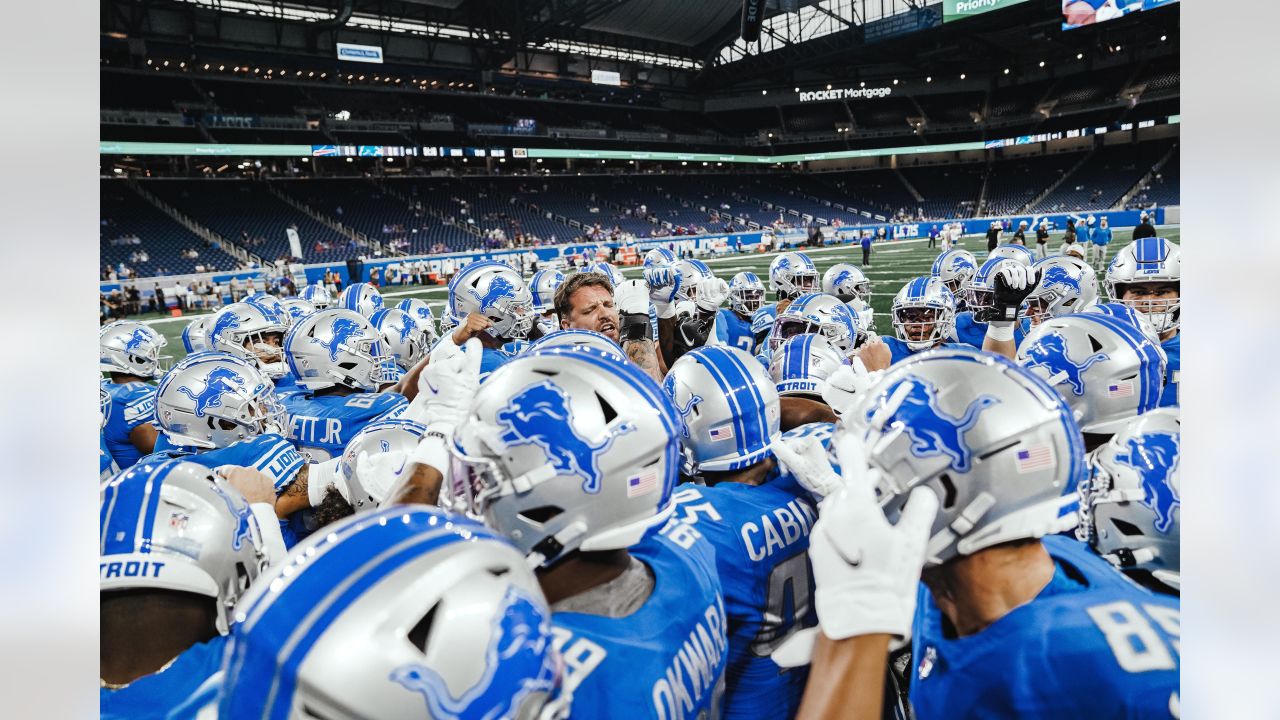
(644, 353)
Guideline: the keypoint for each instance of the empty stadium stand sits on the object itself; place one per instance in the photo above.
(133, 228)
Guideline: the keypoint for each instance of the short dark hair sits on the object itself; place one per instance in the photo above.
(573, 284)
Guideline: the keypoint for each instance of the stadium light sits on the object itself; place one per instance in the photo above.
(1041, 63)
(360, 78)
(764, 92)
(770, 134)
(306, 159)
(962, 76)
(704, 163)
(256, 70)
(182, 65)
(862, 84)
(539, 161)
(1079, 56)
(206, 66)
(797, 89)
(350, 159)
(324, 75)
(1006, 71)
(221, 68)
(298, 74)
(118, 170)
(166, 63)
(631, 162)
(929, 79)
(895, 81)
(828, 86)
(684, 162)
(311, 74)
(235, 69)
(148, 61)
(1163, 38)
(1117, 48)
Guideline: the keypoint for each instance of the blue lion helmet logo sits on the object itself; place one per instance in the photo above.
(669, 387)
(1050, 353)
(343, 330)
(784, 263)
(226, 321)
(139, 336)
(1154, 456)
(518, 663)
(1057, 275)
(499, 288)
(218, 382)
(842, 277)
(933, 431)
(407, 328)
(539, 415)
(241, 513)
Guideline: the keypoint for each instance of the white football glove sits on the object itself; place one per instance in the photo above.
(711, 294)
(379, 472)
(847, 384)
(1017, 276)
(632, 297)
(866, 571)
(806, 460)
(447, 386)
(663, 282)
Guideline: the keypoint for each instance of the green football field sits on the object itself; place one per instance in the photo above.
(892, 265)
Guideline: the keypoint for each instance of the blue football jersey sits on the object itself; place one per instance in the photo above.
(899, 351)
(270, 454)
(734, 330)
(321, 426)
(131, 405)
(761, 539)
(1092, 644)
(667, 658)
(154, 695)
(107, 466)
(1173, 351)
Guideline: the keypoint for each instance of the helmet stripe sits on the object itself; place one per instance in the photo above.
(758, 421)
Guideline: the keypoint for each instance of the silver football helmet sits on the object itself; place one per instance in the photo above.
(195, 336)
(791, 274)
(543, 287)
(380, 436)
(659, 257)
(406, 612)
(1065, 285)
(1126, 313)
(132, 348)
(865, 314)
(247, 331)
(729, 406)
(995, 443)
(212, 400)
(1148, 260)
(847, 282)
(818, 313)
(574, 337)
(924, 312)
(1108, 370)
(338, 347)
(980, 293)
(318, 295)
(1130, 506)
(690, 273)
(497, 292)
(608, 270)
(295, 309)
(746, 293)
(269, 304)
(421, 312)
(1016, 253)
(567, 448)
(955, 268)
(801, 365)
(402, 338)
(174, 525)
(361, 297)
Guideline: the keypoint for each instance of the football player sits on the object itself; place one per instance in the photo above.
(574, 455)
(543, 289)
(1108, 370)
(588, 301)
(107, 466)
(254, 333)
(1064, 285)
(955, 268)
(420, 311)
(436, 617)
(1147, 276)
(817, 313)
(318, 295)
(343, 372)
(179, 547)
(402, 337)
(362, 297)
(733, 324)
(1003, 595)
(791, 274)
(494, 305)
(846, 282)
(802, 364)
(752, 512)
(1130, 507)
(924, 316)
(129, 354)
(994, 296)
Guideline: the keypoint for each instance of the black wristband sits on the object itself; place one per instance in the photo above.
(635, 326)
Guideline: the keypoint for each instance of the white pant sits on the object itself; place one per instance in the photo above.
(1100, 257)
(1041, 251)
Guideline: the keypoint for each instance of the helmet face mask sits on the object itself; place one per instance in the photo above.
(1160, 302)
(792, 274)
(1146, 275)
(924, 313)
(746, 294)
(818, 313)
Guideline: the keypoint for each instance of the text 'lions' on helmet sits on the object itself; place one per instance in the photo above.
(497, 292)
(818, 313)
(174, 525)
(1065, 285)
(1130, 506)
(995, 443)
(361, 297)
(406, 612)
(729, 407)
(406, 342)
(1147, 275)
(924, 313)
(318, 295)
(792, 274)
(338, 347)
(213, 400)
(955, 268)
(746, 293)
(131, 348)
(846, 282)
(249, 332)
(801, 365)
(1107, 370)
(569, 448)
